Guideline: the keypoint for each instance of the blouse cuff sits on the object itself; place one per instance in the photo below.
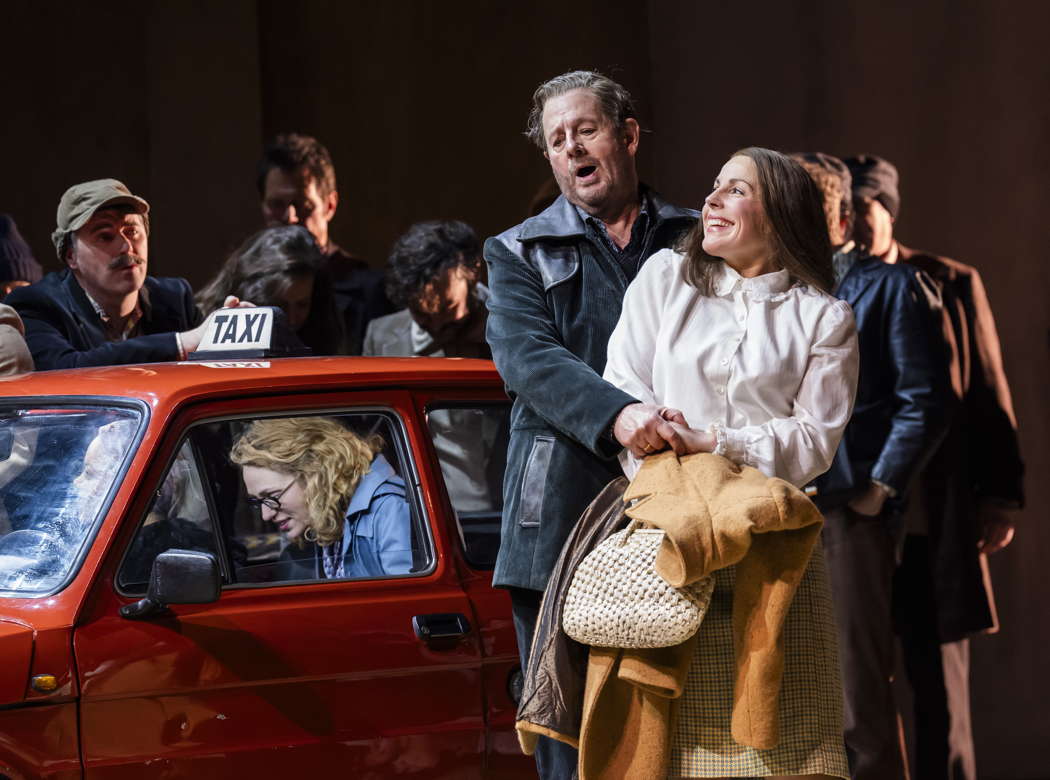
(721, 445)
(731, 444)
(744, 447)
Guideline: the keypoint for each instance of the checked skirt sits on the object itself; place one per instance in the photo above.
(810, 706)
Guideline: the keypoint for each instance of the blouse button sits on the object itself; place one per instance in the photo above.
(721, 390)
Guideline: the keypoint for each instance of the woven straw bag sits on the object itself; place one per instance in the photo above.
(616, 598)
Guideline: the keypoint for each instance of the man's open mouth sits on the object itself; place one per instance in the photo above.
(585, 171)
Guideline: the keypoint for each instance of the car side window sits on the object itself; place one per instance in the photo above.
(471, 445)
(178, 518)
(303, 498)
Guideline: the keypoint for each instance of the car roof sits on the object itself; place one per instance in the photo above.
(159, 382)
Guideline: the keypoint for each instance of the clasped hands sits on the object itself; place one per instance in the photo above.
(645, 429)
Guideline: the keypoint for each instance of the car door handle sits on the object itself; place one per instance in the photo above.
(440, 627)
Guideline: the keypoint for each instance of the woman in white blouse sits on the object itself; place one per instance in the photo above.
(738, 336)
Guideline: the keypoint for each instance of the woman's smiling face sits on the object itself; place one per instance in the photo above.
(735, 224)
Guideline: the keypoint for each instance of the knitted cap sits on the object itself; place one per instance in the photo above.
(16, 258)
(876, 178)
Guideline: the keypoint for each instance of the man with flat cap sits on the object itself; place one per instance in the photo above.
(963, 498)
(103, 309)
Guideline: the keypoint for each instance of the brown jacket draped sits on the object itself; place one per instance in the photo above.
(551, 701)
(714, 514)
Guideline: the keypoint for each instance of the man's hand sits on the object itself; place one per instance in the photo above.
(191, 339)
(645, 428)
(997, 527)
(869, 503)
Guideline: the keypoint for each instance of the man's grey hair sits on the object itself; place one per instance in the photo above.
(615, 100)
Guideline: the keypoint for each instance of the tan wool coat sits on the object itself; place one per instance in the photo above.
(714, 514)
(14, 354)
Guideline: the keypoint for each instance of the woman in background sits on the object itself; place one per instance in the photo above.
(281, 266)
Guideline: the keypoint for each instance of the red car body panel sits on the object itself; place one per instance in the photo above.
(40, 742)
(269, 681)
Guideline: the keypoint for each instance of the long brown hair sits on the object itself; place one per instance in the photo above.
(794, 212)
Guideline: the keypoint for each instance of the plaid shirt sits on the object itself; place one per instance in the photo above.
(121, 328)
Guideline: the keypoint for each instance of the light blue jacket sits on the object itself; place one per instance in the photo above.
(377, 532)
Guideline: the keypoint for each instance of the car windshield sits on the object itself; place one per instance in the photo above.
(57, 466)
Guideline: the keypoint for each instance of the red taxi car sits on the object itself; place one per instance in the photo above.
(265, 673)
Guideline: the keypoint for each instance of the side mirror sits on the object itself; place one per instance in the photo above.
(177, 577)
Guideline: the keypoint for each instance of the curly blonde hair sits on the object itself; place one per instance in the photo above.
(320, 453)
(835, 195)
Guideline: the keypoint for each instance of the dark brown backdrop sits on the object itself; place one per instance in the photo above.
(422, 105)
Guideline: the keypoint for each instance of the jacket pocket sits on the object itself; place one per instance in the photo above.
(534, 481)
(556, 264)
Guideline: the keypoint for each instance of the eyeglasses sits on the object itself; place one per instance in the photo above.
(272, 503)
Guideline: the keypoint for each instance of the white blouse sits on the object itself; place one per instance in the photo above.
(768, 364)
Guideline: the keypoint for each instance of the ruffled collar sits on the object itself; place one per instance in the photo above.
(759, 288)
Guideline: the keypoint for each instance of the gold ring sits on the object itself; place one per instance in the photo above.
(648, 448)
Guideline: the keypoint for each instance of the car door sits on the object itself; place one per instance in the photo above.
(287, 674)
(469, 429)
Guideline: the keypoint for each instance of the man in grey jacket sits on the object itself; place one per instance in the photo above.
(434, 273)
(556, 285)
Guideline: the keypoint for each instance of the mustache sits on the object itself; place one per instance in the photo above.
(126, 261)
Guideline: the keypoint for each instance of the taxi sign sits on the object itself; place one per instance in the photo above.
(246, 333)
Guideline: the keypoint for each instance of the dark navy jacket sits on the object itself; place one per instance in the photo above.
(555, 297)
(904, 396)
(63, 330)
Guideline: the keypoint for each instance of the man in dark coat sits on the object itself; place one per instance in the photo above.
(897, 420)
(296, 182)
(556, 286)
(963, 499)
(103, 309)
